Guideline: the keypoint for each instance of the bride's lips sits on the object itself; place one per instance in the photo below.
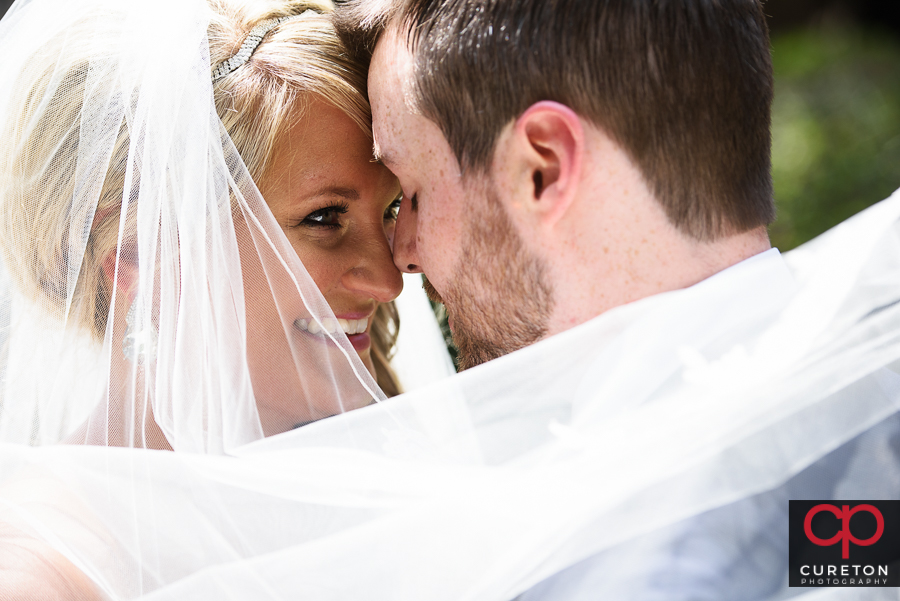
(354, 325)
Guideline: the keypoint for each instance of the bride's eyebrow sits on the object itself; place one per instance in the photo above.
(346, 193)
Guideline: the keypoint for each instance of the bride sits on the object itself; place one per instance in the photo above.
(138, 243)
(195, 238)
(229, 256)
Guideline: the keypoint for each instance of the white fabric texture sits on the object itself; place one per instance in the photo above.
(610, 437)
(616, 443)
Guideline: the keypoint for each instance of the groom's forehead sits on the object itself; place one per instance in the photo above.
(394, 112)
(392, 64)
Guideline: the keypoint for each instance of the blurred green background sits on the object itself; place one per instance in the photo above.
(836, 116)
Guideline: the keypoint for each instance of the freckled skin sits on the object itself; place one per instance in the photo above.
(605, 243)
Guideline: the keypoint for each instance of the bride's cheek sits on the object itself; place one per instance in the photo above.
(389, 234)
(320, 264)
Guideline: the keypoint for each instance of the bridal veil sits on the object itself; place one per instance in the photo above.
(141, 262)
(594, 443)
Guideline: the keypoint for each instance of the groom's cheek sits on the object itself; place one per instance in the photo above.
(442, 228)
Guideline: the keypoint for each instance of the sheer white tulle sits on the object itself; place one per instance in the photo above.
(608, 441)
(595, 451)
(90, 84)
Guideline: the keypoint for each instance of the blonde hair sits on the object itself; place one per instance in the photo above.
(257, 102)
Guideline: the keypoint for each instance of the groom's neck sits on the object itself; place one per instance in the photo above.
(617, 246)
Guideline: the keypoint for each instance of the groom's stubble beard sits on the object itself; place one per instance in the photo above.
(498, 298)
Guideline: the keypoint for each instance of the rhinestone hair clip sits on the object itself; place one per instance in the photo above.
(250, 43)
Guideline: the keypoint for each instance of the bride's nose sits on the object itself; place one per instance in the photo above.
(373, 271)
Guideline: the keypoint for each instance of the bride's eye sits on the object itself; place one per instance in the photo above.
(326, 217)
(390, 214)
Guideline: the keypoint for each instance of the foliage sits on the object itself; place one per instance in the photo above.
(835, 127)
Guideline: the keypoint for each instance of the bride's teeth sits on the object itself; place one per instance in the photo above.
(361, 325)
(331, 325)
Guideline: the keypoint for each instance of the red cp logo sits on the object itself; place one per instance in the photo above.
(844, 514)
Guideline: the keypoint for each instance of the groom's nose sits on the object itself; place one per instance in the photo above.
(405, 253)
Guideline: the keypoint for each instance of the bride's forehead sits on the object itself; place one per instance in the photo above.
(323, 135)
(326, 155)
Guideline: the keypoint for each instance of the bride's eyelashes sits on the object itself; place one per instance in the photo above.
(326, 217)
(332, 216)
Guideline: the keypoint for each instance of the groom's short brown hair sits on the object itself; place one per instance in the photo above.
(684, 86)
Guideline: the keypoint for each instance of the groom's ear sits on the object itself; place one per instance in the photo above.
(545, 152)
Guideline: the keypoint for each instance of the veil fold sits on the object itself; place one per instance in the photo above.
(485, 485)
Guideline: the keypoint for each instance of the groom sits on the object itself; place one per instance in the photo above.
(561, 159)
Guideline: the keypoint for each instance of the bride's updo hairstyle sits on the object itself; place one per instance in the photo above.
(300, 59)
